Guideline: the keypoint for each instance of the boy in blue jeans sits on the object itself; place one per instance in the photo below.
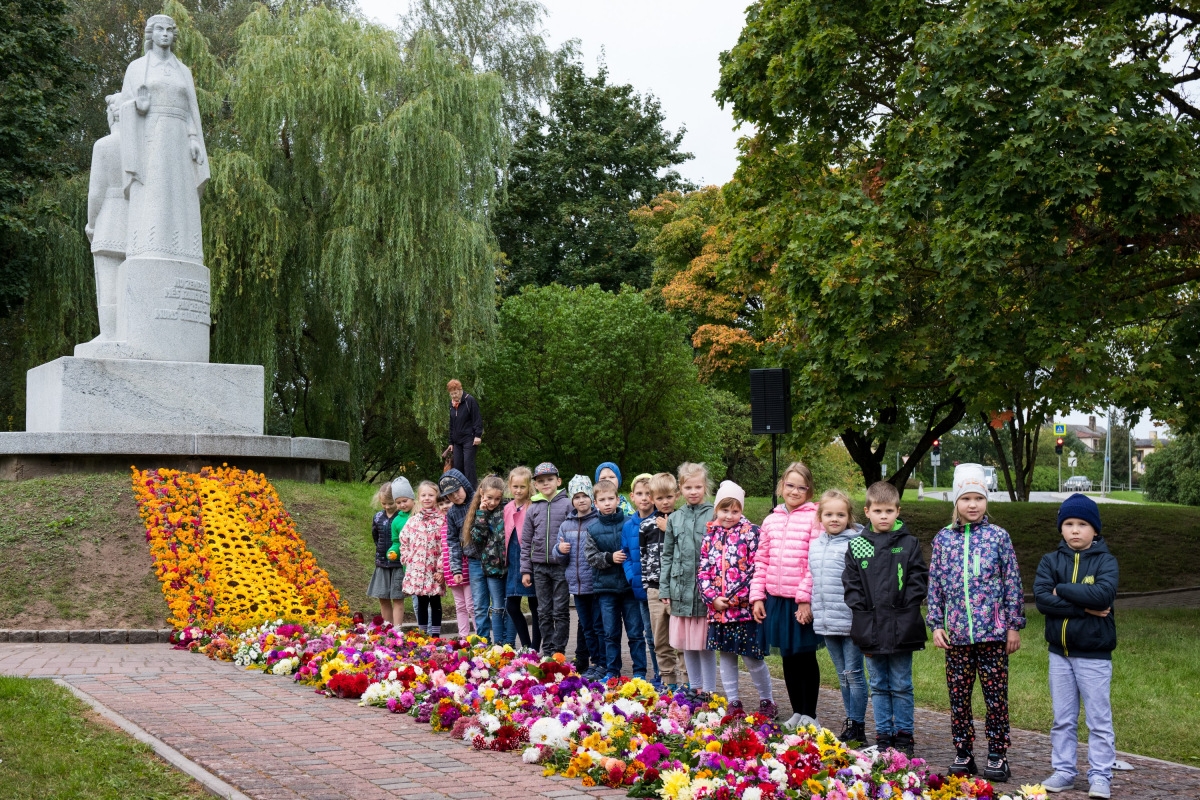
(885, 580)
(643, 509)
(618, 606)
(1075, 588)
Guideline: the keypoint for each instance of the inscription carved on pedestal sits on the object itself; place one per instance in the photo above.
(192, 302)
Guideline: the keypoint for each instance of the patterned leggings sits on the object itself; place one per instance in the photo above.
(990, 660)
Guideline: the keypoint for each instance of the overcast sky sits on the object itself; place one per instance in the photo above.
(667, 48)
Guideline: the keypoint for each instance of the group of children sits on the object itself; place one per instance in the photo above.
(684, 584)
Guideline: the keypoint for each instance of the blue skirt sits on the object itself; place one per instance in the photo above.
(742, 638)
(785, 633)
(514, 587)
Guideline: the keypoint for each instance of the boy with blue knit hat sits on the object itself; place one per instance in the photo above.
(1075, 588)
(608, 471)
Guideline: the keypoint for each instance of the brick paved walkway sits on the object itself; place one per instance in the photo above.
(275, 739)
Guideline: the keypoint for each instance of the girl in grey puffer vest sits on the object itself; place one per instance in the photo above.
(832, 617)
(826, 560)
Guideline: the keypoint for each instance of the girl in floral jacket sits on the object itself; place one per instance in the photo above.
(421, 552)
(726, 571)
(976, 608)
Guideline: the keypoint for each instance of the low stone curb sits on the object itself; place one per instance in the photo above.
(105, 636)
(211, 783)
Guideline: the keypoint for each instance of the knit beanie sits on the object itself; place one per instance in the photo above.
(969, 478)
(1079, 506)
(616, 471)
(402, 488)
(730, 490)
(579, 485)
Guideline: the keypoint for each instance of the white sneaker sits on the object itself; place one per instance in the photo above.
(806, 720)
(793, 721)
(1057, 783)
(1099, 789)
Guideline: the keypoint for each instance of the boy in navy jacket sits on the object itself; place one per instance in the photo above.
(1075, 588)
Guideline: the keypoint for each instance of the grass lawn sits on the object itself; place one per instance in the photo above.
(1155, 691)
(52, 745)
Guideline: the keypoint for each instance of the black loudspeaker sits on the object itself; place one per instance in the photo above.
(770, 401)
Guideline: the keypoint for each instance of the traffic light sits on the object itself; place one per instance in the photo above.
(1058, 446)
(937, 447)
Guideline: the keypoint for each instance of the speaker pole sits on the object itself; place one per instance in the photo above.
(774, 474)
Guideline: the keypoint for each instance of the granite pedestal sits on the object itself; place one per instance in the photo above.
(135, 396)
(38, 455)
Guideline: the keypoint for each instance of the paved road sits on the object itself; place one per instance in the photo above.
(1034, 497)
(275, 739)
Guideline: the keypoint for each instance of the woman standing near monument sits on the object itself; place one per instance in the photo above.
(162, 148)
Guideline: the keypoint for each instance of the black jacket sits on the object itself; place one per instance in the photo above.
(466, 423)
(381, 533)
(1084, 579)
(885, 580)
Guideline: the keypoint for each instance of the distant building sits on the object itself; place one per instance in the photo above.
(1091, 436)
(1143, 448)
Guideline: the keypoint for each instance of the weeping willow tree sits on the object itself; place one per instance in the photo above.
(345, 223)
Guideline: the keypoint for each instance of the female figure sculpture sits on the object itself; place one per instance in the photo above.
(163, 153)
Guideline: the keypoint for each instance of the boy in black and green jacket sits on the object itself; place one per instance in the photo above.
(885, 580)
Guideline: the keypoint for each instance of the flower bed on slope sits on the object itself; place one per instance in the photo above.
(228, 556)
(227, 553)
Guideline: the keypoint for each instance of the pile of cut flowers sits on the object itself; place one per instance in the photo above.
(620, 734)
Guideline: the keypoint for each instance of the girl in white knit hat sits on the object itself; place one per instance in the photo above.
(976, 610)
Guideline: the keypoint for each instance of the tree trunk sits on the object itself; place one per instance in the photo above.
(941, 419)
(1020, 457)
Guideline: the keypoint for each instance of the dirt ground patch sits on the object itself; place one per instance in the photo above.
(73, 556)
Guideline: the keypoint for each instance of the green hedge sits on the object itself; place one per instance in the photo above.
(1157, 547)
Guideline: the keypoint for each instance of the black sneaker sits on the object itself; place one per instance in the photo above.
(997, 769)
(847, 733)
(860, 733)
(884, 742)
(963, 763)
(903, 741)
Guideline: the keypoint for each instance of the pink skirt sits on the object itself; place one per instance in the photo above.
(688, 633)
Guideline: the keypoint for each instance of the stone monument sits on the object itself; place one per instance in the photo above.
(148, 370)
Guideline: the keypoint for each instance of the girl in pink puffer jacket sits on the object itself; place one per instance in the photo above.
(781, 591)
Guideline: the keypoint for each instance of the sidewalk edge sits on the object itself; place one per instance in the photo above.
(176, 759)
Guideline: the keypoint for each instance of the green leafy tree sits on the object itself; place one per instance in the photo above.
(345, 224)
(580, 376)
(38, 76)
(501, 36)
(1173, 472)
(597, 153)
(1001, 186)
